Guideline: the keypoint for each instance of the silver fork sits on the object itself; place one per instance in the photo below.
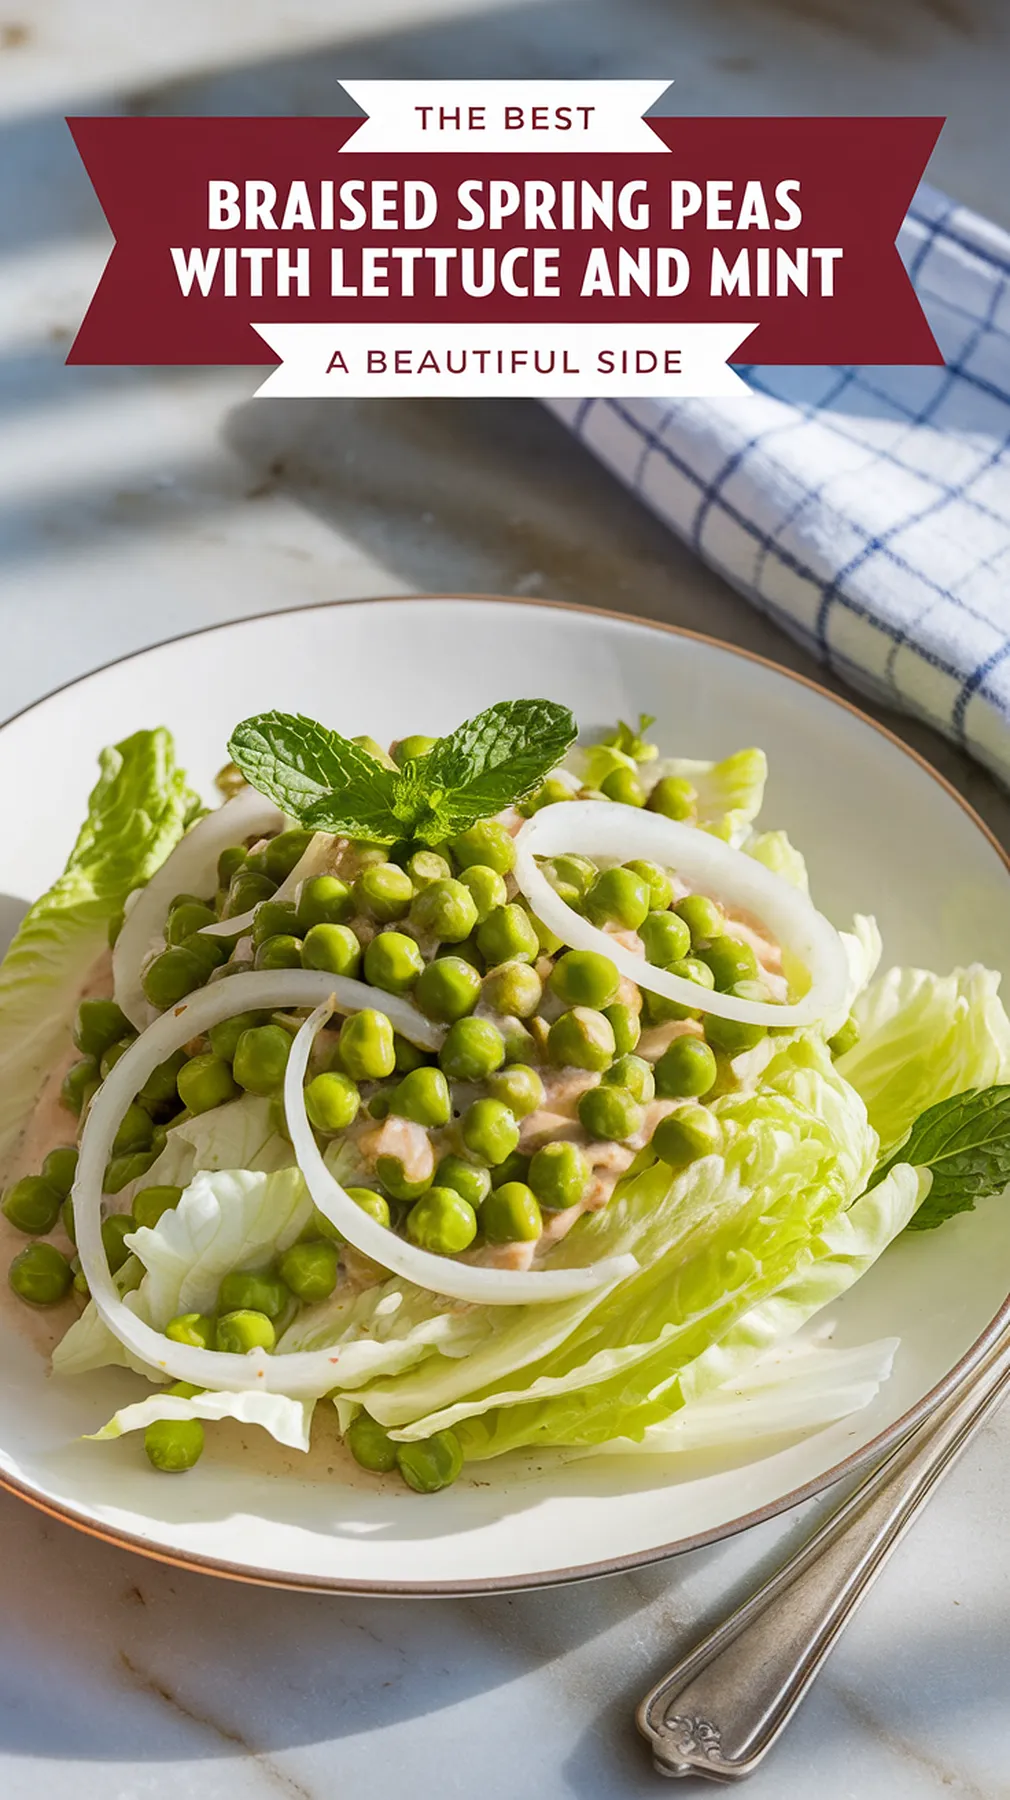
(719, 1712)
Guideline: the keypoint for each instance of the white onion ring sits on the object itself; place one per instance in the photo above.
(296, 1374)
(606, 828)
(190, 868)
(311, 862)
(461, 1281)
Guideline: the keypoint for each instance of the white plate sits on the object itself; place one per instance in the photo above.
(881, 832)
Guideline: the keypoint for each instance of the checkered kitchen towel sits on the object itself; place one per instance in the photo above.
(867, 510)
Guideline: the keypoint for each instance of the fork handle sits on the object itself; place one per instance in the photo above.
(721, 1709)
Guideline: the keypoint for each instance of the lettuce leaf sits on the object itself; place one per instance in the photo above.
(729, 793)
(137, 811)
(286, 1420)
(924, 1038)
(239, 1135)
(774, 849)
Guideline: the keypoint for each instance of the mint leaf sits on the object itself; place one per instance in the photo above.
(488, 763)
(317, 776)
(965, 1141)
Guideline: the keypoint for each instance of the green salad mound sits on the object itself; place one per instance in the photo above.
(568, 1116)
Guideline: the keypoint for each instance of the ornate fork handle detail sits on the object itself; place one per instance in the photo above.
(721, 1709)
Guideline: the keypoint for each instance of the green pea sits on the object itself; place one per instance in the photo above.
(566, 890)
(151, 1203)
(472, 1050)
(375, 1205)
(275, 918)
(134, 1131)
(511, 1215)
(80, 1279)
(408, 749)
(447, 989)
(470, 1180)
(334, 948)
(704, 919)
(383, 892)
(98, 1024)
(487, 843)
(67, 1219)
(246, 1330)
(367, 1048)
(486, 888)
(732, 1036)
(845, 1038)
(392, 1172)
(519, 1086)
(673, 797)
(659, 1009)
(115, 1230)
(576, 872)
(686, 1134)
(393, 962)
(551, 793)
(80, 1082)
(160, 1092)
(508, 934)
(261, 1057)
(489, 1130)
(516, 1167)
(445, 910)
(623, 786)
(114, 1054)
(423, 1096)
(425, 867)
(619, 897)
(284, 852)
(548, 941)
(371, 1445)
(559, 1176)
(581, 1039)
(659, 882)
(247, 890)
(409, 1056)
(730, 961)
(324, 900)
(121, 1170)
(665, 937)
(60, 1167)
(224, 1037)
(610, 1112)
(209, 952)
(520, 1045)
(633, 1073)
(429, 1464)
(279, 953)
(206, 1082)
(685, 1070)
(625, 1025)
(442, 1222)
(513, 988)
(171, 976)
(311, 1269)
(196, 1329)
(229, 863)
(584, 978)
(257, 1289)
(186, 919)
(40, 1275)
(332, 1102)
(174, 1445)
(32, 1205)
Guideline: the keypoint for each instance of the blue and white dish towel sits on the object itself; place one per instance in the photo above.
(866, 510)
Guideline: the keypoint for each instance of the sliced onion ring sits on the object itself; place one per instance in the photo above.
(301, 1372)
(605, 828)
(190, 868)
(460, 1281)
(311, 862)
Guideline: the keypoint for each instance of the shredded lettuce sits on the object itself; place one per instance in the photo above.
(923, 1038)
(138, 809)
(288, 1421)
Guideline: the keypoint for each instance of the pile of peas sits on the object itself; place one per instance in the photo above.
(512, 1001)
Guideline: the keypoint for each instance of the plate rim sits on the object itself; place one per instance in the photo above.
(880, 1447)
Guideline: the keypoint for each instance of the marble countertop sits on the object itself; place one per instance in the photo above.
(137, 504)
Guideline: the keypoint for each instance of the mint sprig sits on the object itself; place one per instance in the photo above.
(330, 783)
(965, 1142)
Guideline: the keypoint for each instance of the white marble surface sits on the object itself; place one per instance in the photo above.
(137, 504)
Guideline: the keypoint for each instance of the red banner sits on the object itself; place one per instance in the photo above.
(788, 223)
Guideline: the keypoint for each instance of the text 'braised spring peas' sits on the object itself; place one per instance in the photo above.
(480, 1084)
